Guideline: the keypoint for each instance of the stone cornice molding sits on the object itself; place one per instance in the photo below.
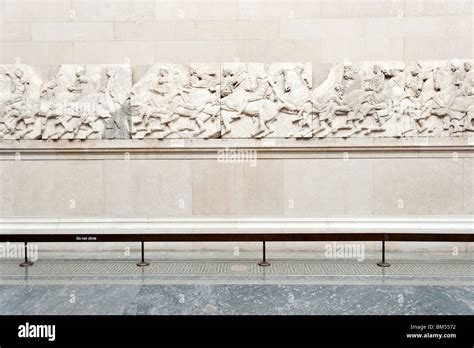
(366, 224)
(261, 149)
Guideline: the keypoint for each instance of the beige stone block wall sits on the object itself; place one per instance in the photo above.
(329, 187)
(352, 185)
(142, 32)
(397, 184)
(72, 31)
(431, 186)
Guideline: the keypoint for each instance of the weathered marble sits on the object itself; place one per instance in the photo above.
(239, 100)
(177, 101)
(20, 88)
(396, 99)
(260, 100)
(86, 102)
(81, 102)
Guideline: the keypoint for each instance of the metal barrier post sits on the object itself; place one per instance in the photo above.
(383, 263)
(26, 262)
(143, 263)
(264, 262)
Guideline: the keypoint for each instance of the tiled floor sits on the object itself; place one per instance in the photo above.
(236, 287)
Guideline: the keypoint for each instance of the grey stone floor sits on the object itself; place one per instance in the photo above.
(171, 285)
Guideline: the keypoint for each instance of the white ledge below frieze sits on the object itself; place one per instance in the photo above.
(329, 224)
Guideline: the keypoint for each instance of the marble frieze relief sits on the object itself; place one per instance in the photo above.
(177, 101)
(395, 99)
(266, 100)
(80, 102)
(239, 100)
(20, 90)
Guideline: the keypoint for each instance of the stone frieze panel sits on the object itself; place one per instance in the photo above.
(80, 102)
(20, 89)
(266, 100)
(177, 101)
(239, 100)
(86, 102)
(396, 99)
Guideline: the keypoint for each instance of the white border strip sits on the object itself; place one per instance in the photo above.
(377, 224)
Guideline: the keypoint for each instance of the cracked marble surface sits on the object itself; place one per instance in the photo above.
(235, 299)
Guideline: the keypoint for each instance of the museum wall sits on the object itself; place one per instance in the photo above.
(366, 178)
(307, 180)
(424, 185)
(142, 32)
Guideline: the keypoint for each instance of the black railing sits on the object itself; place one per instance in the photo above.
(235, 237)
